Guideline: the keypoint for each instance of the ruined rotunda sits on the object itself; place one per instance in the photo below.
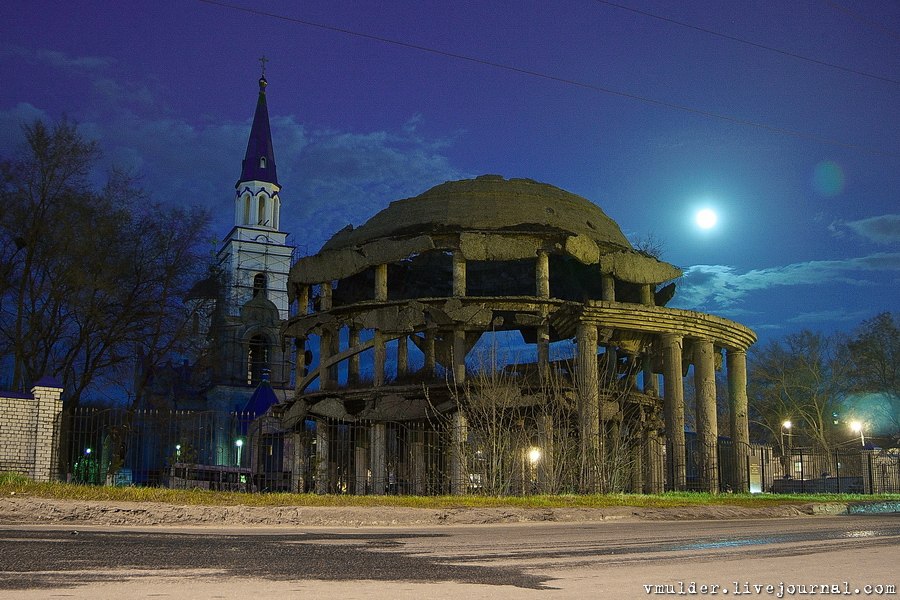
(399, 383)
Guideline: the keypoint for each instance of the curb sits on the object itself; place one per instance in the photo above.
(873, 508)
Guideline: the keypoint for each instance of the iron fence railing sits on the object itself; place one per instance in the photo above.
(838, 471)
(235, 451)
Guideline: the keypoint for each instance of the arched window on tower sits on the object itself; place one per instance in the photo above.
(276, 211)
(261, 216)
(262, 162)
(259, 285)
(257, 359)
(246, 209)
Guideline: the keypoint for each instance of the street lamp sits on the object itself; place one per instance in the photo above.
(857, 427)
(533, 455)
(786, 431)
(240, 444)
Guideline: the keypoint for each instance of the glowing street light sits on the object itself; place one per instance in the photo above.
(786, 455)
(857, 427)
(534, 455)
(240, 444)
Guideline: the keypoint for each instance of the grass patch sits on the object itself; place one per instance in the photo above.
(18, 485)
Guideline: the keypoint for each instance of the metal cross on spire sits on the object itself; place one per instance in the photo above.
(263, 60)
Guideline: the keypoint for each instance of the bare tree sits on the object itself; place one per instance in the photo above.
(91, 273)
(873, 354)
(801, 379)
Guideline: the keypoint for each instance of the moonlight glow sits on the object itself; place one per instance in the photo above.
(706, 219)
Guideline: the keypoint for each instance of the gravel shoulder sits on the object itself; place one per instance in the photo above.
(31, 510)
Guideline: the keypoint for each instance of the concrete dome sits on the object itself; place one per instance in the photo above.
(488, 203)
(487, 219)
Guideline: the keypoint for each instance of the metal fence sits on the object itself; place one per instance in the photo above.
(118, 446)
(840, 471)
(234, 451)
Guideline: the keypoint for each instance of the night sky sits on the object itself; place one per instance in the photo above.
(651, 116)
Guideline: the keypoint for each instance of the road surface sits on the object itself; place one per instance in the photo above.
(616, 560)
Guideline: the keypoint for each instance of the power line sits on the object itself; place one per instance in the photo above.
(573, 82)
(864, 20)
(748, 42)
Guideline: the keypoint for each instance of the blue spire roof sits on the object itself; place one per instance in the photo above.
(259, 160)
(263, 397)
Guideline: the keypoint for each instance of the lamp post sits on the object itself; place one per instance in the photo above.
(786, 453)
(857, 427)
(239, 443)
(534, 457)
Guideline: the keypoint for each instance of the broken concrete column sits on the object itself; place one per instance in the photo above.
(651, 379)
(653, 462)
(381, 283)
(588, 406)
(326, 343)
(607, 287)
(459, 274)
(298, 463)
(542, 275)
(417, 455)
(326, 340)
(303, 300)
(378, 455)
(325, 296)
(740, 428)
(673, 407)
(459, 355)
(543, 351)
(323, 461)
(542, 279)
(301, 365)
(361, 470)
(653, 444)
(647, 295)
(380, 354)
(353, 361)
(707, 427)
(637, 453)
(429, 352)
(459, 477)
(402, 357)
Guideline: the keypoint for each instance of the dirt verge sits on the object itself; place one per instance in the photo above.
(29, 510)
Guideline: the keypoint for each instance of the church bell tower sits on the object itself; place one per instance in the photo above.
(255, 256)
(254, 261)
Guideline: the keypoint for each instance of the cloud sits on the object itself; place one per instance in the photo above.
(884, 229)
(721, 286)
(830, 316)
(58, 60)
(330, 177)
(346, 177)
(66, 62)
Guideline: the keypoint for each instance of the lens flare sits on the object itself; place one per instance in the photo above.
(828, 178)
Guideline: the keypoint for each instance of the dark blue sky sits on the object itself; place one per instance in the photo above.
(809, 224)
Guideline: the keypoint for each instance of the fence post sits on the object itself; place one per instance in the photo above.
(870, 462)
(837, 462)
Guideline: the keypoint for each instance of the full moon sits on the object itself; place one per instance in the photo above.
(706, 219)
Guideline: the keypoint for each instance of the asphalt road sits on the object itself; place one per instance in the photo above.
(585, 560)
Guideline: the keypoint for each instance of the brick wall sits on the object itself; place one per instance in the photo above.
(29, 430)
